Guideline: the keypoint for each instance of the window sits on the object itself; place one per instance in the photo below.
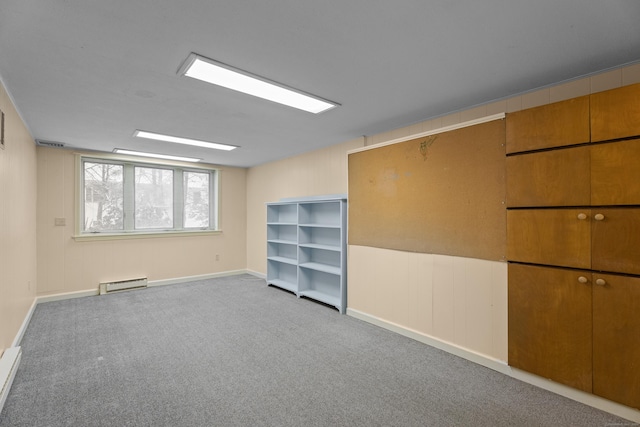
(120, 196)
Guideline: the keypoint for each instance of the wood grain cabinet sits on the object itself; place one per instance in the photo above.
(554, 125)
(573, 242)
(615, 113)
(604, 239)
(577, 327)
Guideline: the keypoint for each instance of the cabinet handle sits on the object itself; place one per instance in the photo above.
(601, 282)
(582, 279)
(598, 217)
(582, 215)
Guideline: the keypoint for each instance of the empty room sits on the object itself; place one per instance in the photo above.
(298, 213)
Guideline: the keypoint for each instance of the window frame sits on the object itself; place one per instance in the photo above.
(129, 163)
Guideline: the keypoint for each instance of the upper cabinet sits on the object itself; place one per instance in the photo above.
(548, 126)
(615, 113)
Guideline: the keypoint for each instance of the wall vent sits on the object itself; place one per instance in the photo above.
(52, 144)
(123, 285)
(8, 367)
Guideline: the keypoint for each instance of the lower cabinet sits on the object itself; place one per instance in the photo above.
(577, 327)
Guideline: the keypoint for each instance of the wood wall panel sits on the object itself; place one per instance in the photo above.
(441, 194)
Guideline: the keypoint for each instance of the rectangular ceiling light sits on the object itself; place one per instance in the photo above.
(220, 74)
(180, 140)
(155, 156)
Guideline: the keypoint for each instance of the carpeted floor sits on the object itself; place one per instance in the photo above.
(233, 352)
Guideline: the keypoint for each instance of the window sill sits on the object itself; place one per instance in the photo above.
(87, 237)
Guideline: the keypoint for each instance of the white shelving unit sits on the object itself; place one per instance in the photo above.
(306, 248)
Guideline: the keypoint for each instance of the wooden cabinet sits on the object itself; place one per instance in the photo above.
(573, 242)
(603, 239)
(615, 113)
(550, 237)
(550, 323)
(602, 174)
(553, 125)
(616, 331)
(550, 178)
(615, 172)
(577, 327)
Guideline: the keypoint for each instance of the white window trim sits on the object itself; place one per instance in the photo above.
(80, 235)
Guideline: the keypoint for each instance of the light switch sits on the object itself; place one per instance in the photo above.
(60, 221)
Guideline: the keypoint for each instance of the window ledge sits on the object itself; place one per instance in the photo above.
(86, 237)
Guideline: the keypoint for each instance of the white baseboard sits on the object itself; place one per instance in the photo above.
(194, 278)
(256, 274)
(502, 367)
(25, 323)
(9, 363)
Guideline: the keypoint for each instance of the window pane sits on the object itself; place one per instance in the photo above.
(103, 197)
(154, 198)
(196, 200)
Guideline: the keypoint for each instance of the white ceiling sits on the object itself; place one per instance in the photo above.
(89, 72)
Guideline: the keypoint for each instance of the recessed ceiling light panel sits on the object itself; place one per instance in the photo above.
(220, 74)
(180, 140)
(155, 156)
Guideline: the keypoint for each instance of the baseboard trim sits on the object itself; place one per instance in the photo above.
(502, 367)
(184, 279)
(257, 274)
(9, 362)
(25, 324)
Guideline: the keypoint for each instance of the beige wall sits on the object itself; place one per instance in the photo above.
(319, 172)
(18, 277)
(66, 265)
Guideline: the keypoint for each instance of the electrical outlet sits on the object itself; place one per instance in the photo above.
(60, 221)
(217, 257)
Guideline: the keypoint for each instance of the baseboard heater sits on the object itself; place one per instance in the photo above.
(8, 367)
(122, 285)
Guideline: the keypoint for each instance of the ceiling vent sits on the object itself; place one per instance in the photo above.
(52, 144)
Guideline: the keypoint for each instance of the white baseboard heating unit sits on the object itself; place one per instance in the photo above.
(123, 285)
(8, 367)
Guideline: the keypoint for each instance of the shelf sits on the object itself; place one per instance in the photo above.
(322, 297)
(283, 260)
(322, 267)
(293, 287)
(319, 246)
(306, 248)
(282, 242)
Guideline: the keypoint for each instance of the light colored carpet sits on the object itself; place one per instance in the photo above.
(234, 352)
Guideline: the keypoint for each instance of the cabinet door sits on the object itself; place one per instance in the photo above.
(550, 178)
(550, 323)
(615, 173)
(553, 125)
(549, 236)
(615, 113)
(616, 240)
(616, 337)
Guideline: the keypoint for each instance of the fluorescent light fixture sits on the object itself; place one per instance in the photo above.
(180, 140)
(155, 156)
(220, 74)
